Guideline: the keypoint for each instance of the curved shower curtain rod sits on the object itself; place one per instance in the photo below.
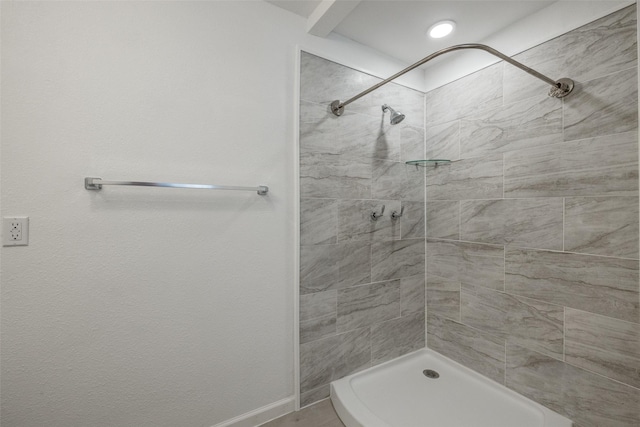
(560, 88)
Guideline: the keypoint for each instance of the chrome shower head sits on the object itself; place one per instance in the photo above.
(396, 116)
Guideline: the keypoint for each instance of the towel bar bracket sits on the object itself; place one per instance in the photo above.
(89, 184)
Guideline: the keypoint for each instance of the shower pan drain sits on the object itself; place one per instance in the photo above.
(431, 374)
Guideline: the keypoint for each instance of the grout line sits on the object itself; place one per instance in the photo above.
(630, 67)
(611, 135)
(482, 331)
(459, 220)
(564, 334)
(459, 139)
(599, 196)
(562, 108)
(505, 363)
(509, 198)
(503, 186)
(503, 80)
(504, 269)
(606, 351)
(426, 246)
(460, 303)
(603, 315)
(370, 346)
(596, 373)
(528, 248)
(564, 209)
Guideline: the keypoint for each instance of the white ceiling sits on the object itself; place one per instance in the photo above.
(299, 7)
(397, 28)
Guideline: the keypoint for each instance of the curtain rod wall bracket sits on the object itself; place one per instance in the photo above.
(563, 87)
(337, 107)
(559, 88)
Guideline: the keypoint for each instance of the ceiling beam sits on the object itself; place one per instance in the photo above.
(328, 15)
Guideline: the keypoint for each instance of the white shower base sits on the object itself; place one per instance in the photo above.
(398, 394)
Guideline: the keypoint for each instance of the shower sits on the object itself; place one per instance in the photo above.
(559, 88)
(396, 116)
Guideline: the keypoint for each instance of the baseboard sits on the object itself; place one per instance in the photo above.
(262, 415)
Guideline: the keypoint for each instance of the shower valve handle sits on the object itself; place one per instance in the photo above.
(396, 215)
(375, 215)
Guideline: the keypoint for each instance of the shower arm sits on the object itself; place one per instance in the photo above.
(560, 88)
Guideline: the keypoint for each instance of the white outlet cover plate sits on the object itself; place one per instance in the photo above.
(7, 222)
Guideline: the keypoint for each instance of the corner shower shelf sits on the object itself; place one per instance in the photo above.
(429, 162)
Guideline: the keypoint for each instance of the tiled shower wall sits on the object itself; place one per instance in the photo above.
(532, 236)
(362, 282)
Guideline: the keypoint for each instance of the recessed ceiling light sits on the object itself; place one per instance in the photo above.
(441, 29)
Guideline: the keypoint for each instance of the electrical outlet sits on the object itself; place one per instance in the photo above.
(15, 231)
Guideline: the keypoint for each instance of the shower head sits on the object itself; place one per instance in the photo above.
(396, 116)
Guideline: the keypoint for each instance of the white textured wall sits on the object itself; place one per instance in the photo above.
(140, 306)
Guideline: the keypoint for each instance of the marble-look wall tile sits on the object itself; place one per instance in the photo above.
(532, 324)
(602, 226)
(319, 304)
(314, 329)
(586, 398)
(363, 129)
(362, 306)
(361, 135)
(607, 286)
(354, 264)
(533, 223)
(471, 94)
(597, 49)
(412, 104)
(531, 123)
(606, 165)
(318, 312)
(318, 268)
(349, 166)
(319, 129)
(397, 337)
(412, 221)
(443, 141)
(334, 176)
(355, 222)
(312, 396)
(408, 101)
(570, 183)
(323, 81)
(600, 344)
(603, 106)
(411, 143)
(397, 259)
(479, 351)
(443, 219)
(398, 97)
(318, 221)
(397, 181)
(443, 298)
(326, 267)
(479, 178)
(473, 264)
(328, 359)
(412, 295)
